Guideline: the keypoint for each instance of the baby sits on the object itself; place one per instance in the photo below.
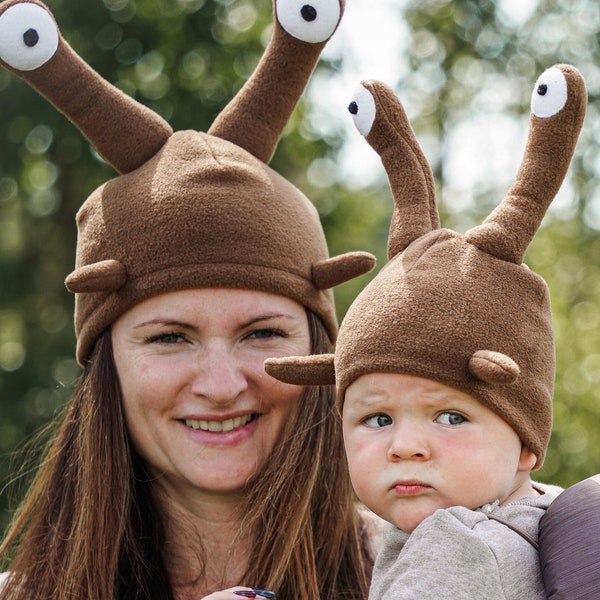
(444, 367)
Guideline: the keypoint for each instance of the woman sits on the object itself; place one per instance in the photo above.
(180, 468)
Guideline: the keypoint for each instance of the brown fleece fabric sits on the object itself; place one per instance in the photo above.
(433, 307)
(190, 209)
(225, 220)
(460, 309)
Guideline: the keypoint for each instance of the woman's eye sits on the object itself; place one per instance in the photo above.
(166, 338)
(265, 334)
(451, 418)
(378, 421)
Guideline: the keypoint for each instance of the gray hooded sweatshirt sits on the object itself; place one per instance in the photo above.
(461, 554)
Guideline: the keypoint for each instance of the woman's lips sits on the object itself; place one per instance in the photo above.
(220, 426)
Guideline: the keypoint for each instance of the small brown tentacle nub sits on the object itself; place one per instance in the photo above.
(257, 116)
(339, 269)
(558, 106)
(105, 276)
(494, 367)
(125, 133)
(316, 369)
(386, 128)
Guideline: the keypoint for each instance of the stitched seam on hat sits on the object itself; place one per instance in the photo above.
(433, 237)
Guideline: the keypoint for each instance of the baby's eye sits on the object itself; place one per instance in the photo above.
(380, 420)
(450, 418)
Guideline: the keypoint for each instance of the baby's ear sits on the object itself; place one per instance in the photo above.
(316, 369)
(527, 460)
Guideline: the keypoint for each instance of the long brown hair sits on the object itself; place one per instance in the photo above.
(301, 504)
(89, 529)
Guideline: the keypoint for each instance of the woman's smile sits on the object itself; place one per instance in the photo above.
(220, 426)
(194, 358)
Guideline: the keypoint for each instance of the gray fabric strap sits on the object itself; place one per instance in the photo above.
(524, 535)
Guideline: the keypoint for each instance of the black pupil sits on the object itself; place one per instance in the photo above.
(542, 89)
(308, 12)
(31, 38)
(353, 108)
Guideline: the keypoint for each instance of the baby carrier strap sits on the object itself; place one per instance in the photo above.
(510, 525)
(570, 543)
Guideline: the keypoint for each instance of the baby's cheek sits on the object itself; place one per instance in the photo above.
(360, 466)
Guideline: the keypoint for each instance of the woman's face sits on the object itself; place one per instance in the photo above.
(198, 405)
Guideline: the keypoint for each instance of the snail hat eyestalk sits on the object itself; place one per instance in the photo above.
(459, 309)
(188, 208)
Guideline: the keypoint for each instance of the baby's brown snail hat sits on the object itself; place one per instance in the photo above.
(462, 310)
(189, 209)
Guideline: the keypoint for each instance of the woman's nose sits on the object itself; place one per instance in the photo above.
(408, 441)
(220, 376)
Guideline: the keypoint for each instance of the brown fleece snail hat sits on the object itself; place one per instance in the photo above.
(459, 309)
(189, 209)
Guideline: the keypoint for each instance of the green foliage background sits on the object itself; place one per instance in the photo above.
(185, 59)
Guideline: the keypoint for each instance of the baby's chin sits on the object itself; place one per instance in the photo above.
(407, 522)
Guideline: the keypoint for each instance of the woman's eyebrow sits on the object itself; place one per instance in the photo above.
(267, 317)
(165, 322)
(176, 323)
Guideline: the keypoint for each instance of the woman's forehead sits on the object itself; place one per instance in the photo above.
(215, 303)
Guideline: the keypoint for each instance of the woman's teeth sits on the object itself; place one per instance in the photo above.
(219, 426)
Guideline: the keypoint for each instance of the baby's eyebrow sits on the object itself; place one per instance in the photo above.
(441, 400)
(374, 401)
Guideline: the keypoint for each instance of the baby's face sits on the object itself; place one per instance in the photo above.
(415, 445)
